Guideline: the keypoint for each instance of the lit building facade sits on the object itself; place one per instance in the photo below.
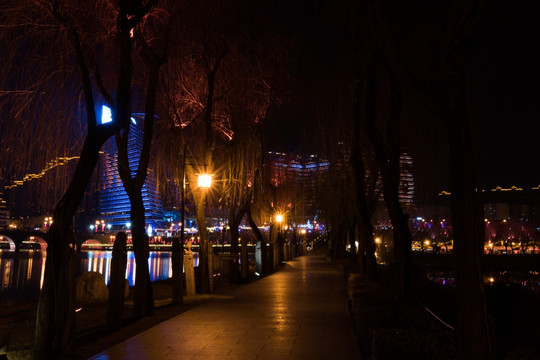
(114, 205)
(4, 213)
(521, 203)
(406, 179)
(301, 176)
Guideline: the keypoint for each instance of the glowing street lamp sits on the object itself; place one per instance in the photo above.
(204, 181)
(279, 218)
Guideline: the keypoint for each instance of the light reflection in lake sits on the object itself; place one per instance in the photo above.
(21, 272)
(159, 264)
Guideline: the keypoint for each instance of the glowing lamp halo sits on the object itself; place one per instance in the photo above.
(204, 181)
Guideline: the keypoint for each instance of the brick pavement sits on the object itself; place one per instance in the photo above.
(299, 312)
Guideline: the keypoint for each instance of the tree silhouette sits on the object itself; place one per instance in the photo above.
(133, 179)
(72, 32)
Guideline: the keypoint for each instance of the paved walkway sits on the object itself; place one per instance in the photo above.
(300, 312)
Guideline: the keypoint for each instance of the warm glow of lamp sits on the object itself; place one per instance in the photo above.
(205, 181)
(378, 240)
(279, 218)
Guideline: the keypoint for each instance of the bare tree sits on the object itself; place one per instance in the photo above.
(133, 179)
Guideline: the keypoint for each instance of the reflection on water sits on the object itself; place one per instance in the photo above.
(21, 272)
(159, 264)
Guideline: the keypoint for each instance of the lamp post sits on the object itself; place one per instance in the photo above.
(378, 242)
(183, 203)
(204, 181)
(277, 242)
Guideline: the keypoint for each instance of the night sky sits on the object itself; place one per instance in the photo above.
(505, 92)
(504, 84)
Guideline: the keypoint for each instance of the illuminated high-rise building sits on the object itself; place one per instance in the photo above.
(406, 179)
(301, 176)
(114, 205)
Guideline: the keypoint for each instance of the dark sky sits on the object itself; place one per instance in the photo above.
(505, 95)
(505, 88)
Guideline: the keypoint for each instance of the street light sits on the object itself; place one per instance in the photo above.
(279, 218)
(204, 181)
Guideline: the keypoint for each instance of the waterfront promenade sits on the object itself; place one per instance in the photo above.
(299, 312)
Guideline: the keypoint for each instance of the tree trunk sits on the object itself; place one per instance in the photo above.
(233, 228)
(55, 320)
(178, 244)
(143, 301)
(117, 282)
(177, 271)
(473, 335)
(143, 304)
(364, 207)
(367, 246)
(387, 151)
(260, 239)
(234, 222)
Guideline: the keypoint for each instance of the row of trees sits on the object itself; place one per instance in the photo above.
(403, 83)
(371, 76)
(205, 75)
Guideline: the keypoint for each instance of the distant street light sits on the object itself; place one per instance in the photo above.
(279, 218)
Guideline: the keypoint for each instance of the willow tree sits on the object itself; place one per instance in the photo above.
(438, 79)
(80, 34)
(191, 101)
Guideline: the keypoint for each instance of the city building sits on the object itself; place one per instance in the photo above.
(4, 213)
(500, 203)
(522, 203)
(300, 177)
(114, 205)
(406, 179)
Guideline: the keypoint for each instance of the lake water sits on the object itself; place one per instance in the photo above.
(21, 272)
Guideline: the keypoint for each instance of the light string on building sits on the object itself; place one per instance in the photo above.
(59, 161)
